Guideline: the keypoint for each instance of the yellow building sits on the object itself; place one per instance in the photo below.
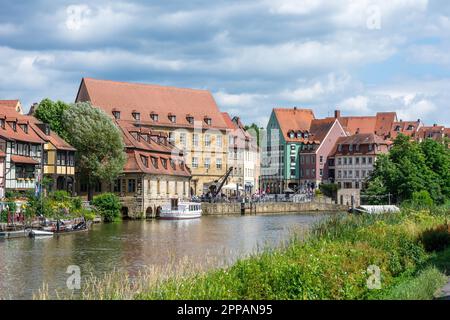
(58, 159)
(190, 117)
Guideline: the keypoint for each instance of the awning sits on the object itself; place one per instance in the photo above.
(232, 186)
(23, 159)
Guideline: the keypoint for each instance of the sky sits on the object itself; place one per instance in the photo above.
(358, 56)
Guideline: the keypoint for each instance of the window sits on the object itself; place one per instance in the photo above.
(190, 119)
(363, 160)
(45, 157)
(357, 160)
(207, 140)
(397, 128)
(164, 163)
(117, 185)
(136, 116)
(292, 135)
(71, 159)
(350, 161)
(2, 123)
(410, 127)
(195, 140)
(207, 163)
(155, 162)
(116, 114)
(313, 172)
(356, 184)
(194, 162)
(131, 185)
(357, 148)
(339, 161)
(154, 117)
(345, 161)
(24, 127)
(307, 160)
(208, 121)
(345, 174)
(183, 141)
(357, 173)
(313, 159)
(172, 118)
(219, 141)
(144, 160)
(340, 148)
(321, 172)
(307, 173)
(321, 159)
(350, 147)
(293, 173)
(24, 171)
(61, 158)
(172, 164)
(370, 160)
(370, 147)
(219, 163)
(339, 174)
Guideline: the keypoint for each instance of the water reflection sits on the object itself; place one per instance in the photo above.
(25, 264)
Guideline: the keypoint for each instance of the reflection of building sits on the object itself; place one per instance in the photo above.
(58, 159)
(243, 155)
(189, 117)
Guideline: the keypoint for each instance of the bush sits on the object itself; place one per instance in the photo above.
(108, 206)
(436, 239)
(422, 199)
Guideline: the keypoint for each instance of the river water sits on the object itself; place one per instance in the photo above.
(25, 264)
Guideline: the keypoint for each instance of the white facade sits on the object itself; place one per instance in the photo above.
(351, 171)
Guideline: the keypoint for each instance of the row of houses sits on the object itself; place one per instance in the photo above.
(177, 143)
(301, 152)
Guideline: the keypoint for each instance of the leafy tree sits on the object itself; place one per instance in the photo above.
(99, 144)
(108, 206)
(52, 112)
(422, 199)
(374, 193)
(408, 168)
(253, 129)
(437, 157)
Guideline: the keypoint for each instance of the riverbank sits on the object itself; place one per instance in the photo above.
(319, 204)
(332, 263)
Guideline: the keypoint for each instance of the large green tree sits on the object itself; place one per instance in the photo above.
(51, 112)
(253, 129)
(411, 167)
(99, 144)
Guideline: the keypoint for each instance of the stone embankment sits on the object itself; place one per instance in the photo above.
(217, 209)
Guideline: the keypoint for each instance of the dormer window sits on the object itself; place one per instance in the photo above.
(136, 116)
(172, 118)
(144, 160)
(172, 164)
(2, 123)
(24, 127)
(155, 162)
(340, 148)
(397, 128)
(154, 116)
(190, 119)
(291, 134)
(208, 120)
(306, 135)
(116, 114)
(47, 129)
(135, 135)
(370, 147)
(164, 163)
(410, 127)
(13, 126)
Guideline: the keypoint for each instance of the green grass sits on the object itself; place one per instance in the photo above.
(331, 263)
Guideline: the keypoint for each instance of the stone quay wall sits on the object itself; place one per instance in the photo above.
(218, 209)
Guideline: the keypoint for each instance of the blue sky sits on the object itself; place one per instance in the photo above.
(361, 56)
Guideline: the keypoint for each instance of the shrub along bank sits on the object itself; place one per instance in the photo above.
(331, 264)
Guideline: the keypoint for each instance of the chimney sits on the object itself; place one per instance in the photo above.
(295, 108)
(337, 114)
(435, 125)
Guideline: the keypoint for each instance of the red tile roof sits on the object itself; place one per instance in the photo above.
(320, 128)
(408, 128)
(293, 119)
(145, 99)
(380, 124)
(23, 159)
(360, 139)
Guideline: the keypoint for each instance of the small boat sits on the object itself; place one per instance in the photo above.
(39, 233)
(178, 210)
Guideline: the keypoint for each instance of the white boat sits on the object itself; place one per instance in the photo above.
(39, 233)
(177, 210)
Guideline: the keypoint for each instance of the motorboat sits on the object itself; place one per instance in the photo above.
(178, 210)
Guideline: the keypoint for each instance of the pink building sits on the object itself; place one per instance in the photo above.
(314, 152)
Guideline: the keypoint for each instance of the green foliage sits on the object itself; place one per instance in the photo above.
(331, 264)
(375, 192)
(422, 199)
(412, 167)
(3, 216)
(436, 239)
(108, 206)
(253, 129)
(100, 149)
(51, 112)
(329, 189)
